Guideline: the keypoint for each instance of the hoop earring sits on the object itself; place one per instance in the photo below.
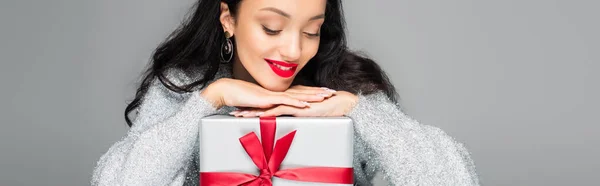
(226, 49)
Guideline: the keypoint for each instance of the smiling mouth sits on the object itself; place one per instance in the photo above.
(282, 69)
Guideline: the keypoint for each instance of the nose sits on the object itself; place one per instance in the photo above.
(291, 48)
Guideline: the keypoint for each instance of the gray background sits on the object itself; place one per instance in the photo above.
(513, 79)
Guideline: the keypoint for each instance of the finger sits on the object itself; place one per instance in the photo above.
(241, 113)
(253, 113)
(318, 92)
(308, 97)
(302, 87)
(248, 114)
(287, 100)
(234, 112)
(281, 110)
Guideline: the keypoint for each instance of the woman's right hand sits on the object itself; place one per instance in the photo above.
(239, 93)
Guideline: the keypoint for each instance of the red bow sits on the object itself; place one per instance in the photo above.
(261, 153)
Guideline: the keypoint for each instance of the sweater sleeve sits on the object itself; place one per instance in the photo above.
(158, 147)
(405, 151)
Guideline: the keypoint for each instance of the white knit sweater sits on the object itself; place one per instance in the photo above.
(161, 146)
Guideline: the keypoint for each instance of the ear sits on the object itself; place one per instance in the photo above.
(227, 20)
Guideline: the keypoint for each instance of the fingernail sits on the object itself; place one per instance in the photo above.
(305, 103)
(322, 94)
(234, 112)
(260, 113)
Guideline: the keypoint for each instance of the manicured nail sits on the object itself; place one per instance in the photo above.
(234, 112)
(259, 113)
(305, 103)
(322, 94)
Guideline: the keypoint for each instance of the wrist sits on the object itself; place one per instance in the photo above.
(351, 101)
(212, 94)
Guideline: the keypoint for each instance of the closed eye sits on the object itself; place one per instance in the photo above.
(312, 35)
(269, 31)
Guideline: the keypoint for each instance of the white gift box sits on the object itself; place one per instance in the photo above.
(318, 142)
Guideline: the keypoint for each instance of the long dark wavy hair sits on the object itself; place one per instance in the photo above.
(197, 43)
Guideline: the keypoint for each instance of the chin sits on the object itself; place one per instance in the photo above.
(275, 86)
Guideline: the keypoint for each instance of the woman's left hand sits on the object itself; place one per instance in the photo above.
(339, 104)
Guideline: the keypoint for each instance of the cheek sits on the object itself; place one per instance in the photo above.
(252, 45)
(258, 42)
(309, 51)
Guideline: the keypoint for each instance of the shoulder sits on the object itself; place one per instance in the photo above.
(377, 98)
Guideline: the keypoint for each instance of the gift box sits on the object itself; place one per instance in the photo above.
(280, 151)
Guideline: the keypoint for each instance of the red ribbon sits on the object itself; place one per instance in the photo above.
(261, 153)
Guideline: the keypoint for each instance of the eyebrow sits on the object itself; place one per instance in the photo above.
(282, 13)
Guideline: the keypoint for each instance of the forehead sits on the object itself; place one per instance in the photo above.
(295, 8)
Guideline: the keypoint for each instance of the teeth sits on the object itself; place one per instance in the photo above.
(282, 67)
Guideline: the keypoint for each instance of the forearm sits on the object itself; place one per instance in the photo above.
(156, 155)
(407, 152)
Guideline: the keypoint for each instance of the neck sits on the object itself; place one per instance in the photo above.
(239, 72)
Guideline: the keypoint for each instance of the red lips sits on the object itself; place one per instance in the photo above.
(285, 70)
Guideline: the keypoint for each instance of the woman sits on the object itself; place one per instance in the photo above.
(271, 58)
